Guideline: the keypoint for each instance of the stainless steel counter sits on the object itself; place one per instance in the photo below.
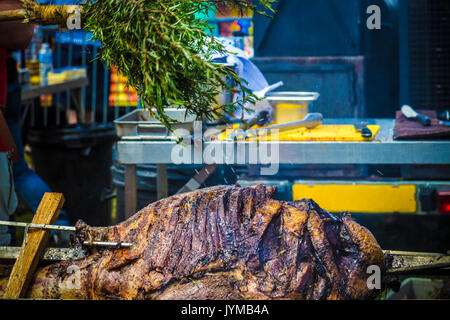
(382, 150)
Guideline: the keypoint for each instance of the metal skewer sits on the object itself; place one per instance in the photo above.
(65, 228)
(37, 226)
(107, 244)
(400, 262)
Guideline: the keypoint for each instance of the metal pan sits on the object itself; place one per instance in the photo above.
(138, 122)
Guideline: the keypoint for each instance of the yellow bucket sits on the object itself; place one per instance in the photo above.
(287, 112)
(290, 105)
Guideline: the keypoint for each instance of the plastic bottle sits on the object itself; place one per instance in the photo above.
(45, 62)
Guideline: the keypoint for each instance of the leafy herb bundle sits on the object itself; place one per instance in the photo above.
(164, 49)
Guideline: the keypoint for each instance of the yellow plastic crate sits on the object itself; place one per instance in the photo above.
(364, 198)
(320, 133)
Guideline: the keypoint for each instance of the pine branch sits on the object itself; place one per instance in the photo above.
(162, 47)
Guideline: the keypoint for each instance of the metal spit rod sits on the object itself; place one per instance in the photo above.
(65, 228)
(37, 226)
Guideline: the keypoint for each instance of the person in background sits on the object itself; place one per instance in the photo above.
(29, 186)
(13, 36)
(8, 154)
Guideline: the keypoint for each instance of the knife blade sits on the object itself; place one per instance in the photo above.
(411, 114)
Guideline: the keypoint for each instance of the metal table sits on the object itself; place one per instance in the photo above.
(73, 86)
(382, 150)
(32, 92)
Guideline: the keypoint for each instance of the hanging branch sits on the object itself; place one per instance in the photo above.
(163, 48)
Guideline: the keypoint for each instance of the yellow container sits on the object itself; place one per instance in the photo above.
(365, 198)
(287, 112)
(290, 105)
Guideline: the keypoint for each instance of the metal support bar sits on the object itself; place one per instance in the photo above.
(94, 84)
(42, 226)
(83, 90)
(196, 181)
(37, 226)
(105, 92)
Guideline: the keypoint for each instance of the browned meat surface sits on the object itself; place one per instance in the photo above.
(224, 242)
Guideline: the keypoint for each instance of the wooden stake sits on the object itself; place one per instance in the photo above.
(12, 15)
(34, 243)
(35, 13)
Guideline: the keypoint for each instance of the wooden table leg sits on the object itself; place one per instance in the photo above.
(76, 98)
(33, 245)
(130, 190)
(162, 185)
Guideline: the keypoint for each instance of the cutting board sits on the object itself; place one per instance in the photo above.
(320, 133)
(407, 129)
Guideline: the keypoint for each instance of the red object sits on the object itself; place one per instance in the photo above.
(3, 88)
(3, 76)
(444, 201)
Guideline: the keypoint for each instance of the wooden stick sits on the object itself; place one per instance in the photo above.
(37, 226)
(33, 246)
(64, 228)
(12, 15)
(40, 14)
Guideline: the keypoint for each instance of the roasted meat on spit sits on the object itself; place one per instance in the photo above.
(223, 242)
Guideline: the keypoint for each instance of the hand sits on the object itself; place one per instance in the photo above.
(13, 154)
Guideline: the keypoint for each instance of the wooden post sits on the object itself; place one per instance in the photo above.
(34, 243)
(40, 14)
(12, 15)
(130, 191)
(162, 185)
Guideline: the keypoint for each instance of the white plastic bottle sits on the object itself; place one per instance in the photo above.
(45, 62)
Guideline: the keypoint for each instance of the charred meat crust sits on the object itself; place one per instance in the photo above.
(223, 242)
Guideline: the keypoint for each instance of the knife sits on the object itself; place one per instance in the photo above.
(261, 119)
(409, 113)
(311, 121)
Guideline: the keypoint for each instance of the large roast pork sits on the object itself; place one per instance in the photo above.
(223, 242)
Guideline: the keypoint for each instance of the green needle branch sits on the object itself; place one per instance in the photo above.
(164, 48)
